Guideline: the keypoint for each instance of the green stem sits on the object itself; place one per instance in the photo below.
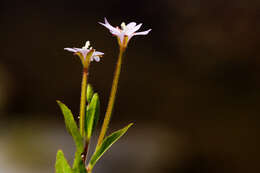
(111, 98)
(83, 101)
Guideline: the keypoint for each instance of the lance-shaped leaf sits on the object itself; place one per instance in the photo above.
(90, 93)
(92, 115)
(62, 165)
(106, 144)
(71, 125)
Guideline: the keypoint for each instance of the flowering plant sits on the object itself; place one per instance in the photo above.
(90, 105)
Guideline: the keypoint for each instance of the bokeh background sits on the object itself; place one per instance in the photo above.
(191, 86)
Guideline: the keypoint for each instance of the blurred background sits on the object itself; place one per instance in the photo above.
(191, 86)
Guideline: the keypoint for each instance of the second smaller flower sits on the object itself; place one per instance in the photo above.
(86, 53)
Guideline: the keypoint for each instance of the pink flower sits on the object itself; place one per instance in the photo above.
(126, 32)
(85, 51)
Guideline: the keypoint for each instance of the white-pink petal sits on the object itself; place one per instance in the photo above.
(143, 32)
(97, 53)
(131, 25)
(131, 31)
(70, 49)
(112, 29)
(97, 58)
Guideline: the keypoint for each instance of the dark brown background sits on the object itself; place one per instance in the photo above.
(191, 86)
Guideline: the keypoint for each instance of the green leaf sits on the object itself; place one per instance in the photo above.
(92, 115)
(74, 131)
(71, 125)
(62, 165)
(106, 144)
(77, 160)
(90, 93)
